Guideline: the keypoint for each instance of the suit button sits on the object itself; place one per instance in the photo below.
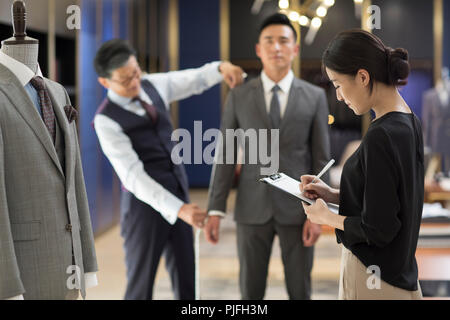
(69, 227)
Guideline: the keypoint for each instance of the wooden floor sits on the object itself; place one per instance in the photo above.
(219, 267)
(219, 270)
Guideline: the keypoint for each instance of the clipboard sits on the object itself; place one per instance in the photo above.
(287, 184)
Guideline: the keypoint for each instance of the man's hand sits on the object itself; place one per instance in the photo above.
(233, 75)
(193, 215)
(311, 233)
(212, 229)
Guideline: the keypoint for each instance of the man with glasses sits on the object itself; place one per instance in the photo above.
(134, 129)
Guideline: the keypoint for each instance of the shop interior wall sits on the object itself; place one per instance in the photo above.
(199, 44)
(409, 24)
(102, 20)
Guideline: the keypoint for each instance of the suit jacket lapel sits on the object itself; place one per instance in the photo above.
(260, 102)
(65, 130)
(292, 103)
(19, 98)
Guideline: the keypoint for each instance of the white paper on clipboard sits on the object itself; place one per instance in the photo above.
(292, 186)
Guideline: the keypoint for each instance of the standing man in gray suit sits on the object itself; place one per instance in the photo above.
(275, 100)
(46, 240)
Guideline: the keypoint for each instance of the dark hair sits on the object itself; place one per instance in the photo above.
(277, 18)
(357, 49)
(112, 54)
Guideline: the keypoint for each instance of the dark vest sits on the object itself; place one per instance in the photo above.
(152, 142)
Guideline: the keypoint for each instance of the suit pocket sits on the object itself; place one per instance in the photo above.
(26, 231)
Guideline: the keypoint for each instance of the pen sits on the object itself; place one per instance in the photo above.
(329, 164)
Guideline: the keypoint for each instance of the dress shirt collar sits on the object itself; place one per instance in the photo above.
(21, 71)
(122, 101)
(284, 84)
(118, 99)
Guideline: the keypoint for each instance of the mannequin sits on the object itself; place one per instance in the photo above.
(20, 47)
(63, 261)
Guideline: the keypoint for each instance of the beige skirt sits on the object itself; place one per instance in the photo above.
(356, 284)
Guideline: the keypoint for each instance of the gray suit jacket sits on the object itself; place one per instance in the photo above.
(45, 224)
(303, 149)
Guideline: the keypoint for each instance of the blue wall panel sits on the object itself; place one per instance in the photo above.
(199, 44)
(105, 187)
(123, 16)
(88, 101)
(107, 25)
(97, 169)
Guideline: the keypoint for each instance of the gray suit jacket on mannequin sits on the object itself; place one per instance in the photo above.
(45, 227)
(303, 149)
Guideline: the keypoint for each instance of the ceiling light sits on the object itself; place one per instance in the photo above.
(283, 4)
(303, 20)
(294, 16)
(321, 11)
(316, 22)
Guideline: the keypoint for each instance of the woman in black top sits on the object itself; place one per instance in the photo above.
(382, 185)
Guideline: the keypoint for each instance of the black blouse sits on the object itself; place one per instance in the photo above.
(381, 194)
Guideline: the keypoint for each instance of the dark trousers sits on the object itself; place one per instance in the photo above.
(147, 236)
(254, 249)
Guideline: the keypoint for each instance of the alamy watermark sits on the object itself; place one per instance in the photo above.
(374, 281)
(254, 143)
(73, 21)
(374, 20)
(74, 280)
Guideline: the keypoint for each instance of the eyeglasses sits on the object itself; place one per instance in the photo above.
(125, 83)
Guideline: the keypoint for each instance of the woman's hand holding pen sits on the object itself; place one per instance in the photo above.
(319, 213)
(318, 189)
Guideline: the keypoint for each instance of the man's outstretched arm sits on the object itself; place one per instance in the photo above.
(178, 85)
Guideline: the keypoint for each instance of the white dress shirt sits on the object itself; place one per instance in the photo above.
(116, 145)
(283, 95)
(24, 75)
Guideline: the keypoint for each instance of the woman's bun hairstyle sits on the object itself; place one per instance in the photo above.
(357, 49)
(398, 66)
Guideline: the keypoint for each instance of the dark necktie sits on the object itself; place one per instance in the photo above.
(48, 115)
(274, 113)
(151, 109)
